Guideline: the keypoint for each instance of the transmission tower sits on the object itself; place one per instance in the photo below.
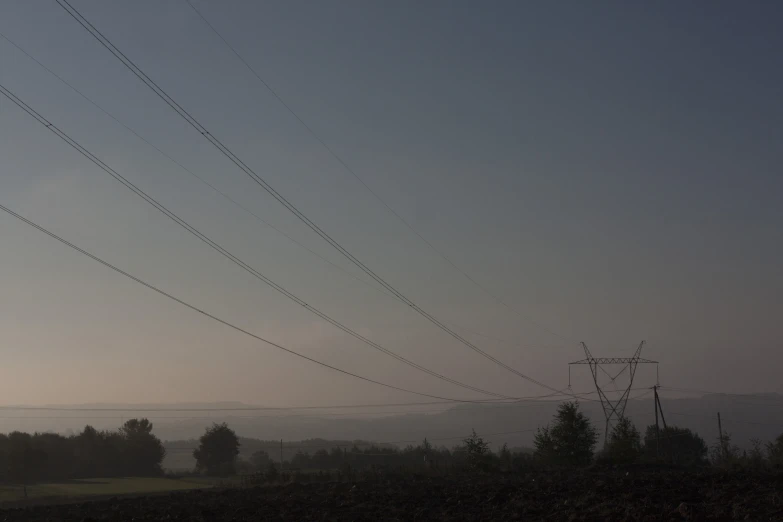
(614, 409)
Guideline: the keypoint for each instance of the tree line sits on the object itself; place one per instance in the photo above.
(132, 450)
(569, 441)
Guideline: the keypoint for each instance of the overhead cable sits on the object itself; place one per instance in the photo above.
(215, 246)
(351, 171)
(103, 40)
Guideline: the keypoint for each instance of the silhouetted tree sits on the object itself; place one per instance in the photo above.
(755, 457)
(143, 451)
(505, 457)
(624, 444)
(677, 445)
(60, 462)
(272, 474)
(570, 440)
(478, 452)
(132, 450)
(261, 460)
(217, 451)
(775, 452)
(724, 453)
(24, 460)
(97, 453)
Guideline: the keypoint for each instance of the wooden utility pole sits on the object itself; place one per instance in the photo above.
(659, 409)
(281, 455)
(657, 429)
(720, 438)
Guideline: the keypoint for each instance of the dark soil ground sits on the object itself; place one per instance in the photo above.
(627, 495)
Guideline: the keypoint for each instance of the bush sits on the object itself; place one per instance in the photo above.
(678, 446)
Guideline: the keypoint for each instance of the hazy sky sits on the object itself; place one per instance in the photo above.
(610, 169)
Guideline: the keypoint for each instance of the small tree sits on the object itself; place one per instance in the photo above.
(217, 451)
(775, 452)
(272, 475)
(478, 452)
(505, 457)
(261, 460)
(755, 457)
(724, 453)
(144, 452)
(570, 441)
(624, 444)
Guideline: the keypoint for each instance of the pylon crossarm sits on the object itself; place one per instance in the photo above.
(613, 409)
(614, 360)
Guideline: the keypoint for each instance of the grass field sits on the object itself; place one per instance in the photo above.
(98, 486)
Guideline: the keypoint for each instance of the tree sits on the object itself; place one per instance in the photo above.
(271, 472)
(98, 453)
(260, 460)
(505, 457)
(60, 462)
(624, 444)
(217, 451)
(143, 451)
(755, 457)
(477, 451)
(677, 445)
(570, 441)
(24, 461)
(724, 453)
(775, 452)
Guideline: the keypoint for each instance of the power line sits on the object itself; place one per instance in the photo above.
(190, 172)
(214, 317)
(215, 246)
(371, 444)
(735, 421)
(76, 15)
(228, 198)
(497, 405)
(490, 404)
(200, 417)
(363, 183)
(231, 200)
(707, 392)
(530, 398)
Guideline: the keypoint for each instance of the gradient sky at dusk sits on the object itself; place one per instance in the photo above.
(612, 170)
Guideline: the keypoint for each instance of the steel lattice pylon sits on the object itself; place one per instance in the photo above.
(614, 410)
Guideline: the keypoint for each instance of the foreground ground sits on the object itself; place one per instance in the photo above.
(99, 487)
(631, 495)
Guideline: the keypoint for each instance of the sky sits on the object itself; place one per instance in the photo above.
(609, 170)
